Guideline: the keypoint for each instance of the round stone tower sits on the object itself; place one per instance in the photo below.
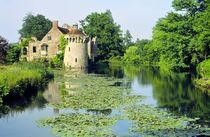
(76, 52)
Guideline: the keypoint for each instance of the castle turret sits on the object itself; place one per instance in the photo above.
(76, 52)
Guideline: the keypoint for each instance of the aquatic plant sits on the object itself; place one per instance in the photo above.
(94, 100)
(158, 122)
(84, 125)
(88, 91)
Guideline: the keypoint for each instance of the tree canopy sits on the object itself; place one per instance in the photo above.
(108, 33)
(35, 26)
(181, 40)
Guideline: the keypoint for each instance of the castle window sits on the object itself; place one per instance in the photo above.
(70, 39)
(44, 47)
(69, 49)
(49, 38)
(67, 39)
(73, 39)
(75, 59)
(24, 51)
(34, 49)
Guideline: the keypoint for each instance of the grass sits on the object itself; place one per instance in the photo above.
(17, 78)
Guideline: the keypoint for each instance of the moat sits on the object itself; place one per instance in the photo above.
(121, 91)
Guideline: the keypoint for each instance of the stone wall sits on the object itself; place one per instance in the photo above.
(76, 55)
(48, 47)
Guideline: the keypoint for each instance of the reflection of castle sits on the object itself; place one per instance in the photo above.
(80, 48)
(52, 93)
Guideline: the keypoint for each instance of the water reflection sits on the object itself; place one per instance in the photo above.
(52, 93)
(173, 91)
(11, 107)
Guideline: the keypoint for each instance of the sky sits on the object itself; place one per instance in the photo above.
(137, 16)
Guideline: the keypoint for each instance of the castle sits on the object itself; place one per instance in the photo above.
(79, 50)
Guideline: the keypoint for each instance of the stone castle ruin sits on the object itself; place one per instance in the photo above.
(79, 50)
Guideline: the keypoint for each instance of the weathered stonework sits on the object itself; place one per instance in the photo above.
(80, 48)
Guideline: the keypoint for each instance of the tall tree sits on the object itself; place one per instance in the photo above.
(3, 49)
(182, 38)
(108, 33)
(127, 38)
(35, 26)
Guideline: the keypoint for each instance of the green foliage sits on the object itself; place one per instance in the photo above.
(108, 33)
(35, 26)
(204, 68)
(57, 62)
(17, 78)
(131, 55)
(63, 43)
(136, 52)
(3, 49)
(181, 40)
(24, 42)
(127, 39)
(13, 53)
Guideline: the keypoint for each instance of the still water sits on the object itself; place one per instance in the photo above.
(169, 91)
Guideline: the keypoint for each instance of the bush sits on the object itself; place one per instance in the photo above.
(203, 68)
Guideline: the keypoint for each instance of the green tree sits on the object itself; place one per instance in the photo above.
(3, 49)
(127, 39)
(13, 53)
(108, 33)
(181, 39)
(131, 55)
(35, 26)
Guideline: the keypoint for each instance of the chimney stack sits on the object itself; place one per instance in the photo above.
(55, 24)
(75, 26)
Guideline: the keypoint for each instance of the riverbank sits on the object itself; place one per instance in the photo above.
(19, 79)
(203, 70)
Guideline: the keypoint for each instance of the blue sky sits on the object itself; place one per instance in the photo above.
(138, 16)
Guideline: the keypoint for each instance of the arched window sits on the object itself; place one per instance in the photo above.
(75, 59)
(69, 49)
(73, 39)
(70, 39)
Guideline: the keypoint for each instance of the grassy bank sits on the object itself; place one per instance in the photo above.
(18, 79)
(203, 70)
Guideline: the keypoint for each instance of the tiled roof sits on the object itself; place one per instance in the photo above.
(76, 31)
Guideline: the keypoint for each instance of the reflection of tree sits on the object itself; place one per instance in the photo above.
(35, 100)
(98, 112)
(173, 91)
(176, 92)
(108, 70)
